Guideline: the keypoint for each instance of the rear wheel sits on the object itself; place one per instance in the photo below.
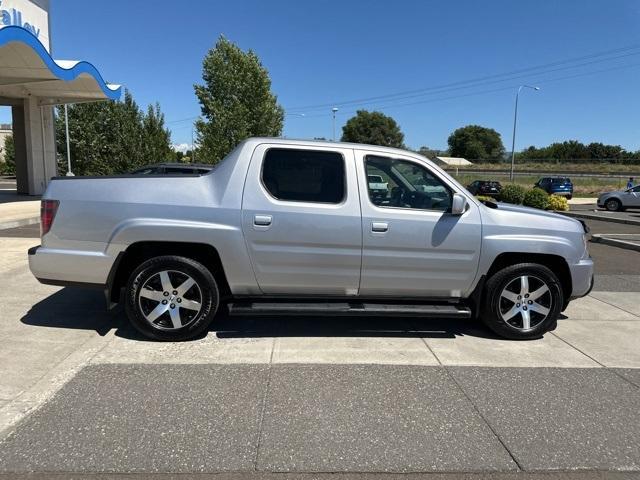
(171, 298)
(522, 301)
(613, 205)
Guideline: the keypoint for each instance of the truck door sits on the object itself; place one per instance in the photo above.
(301, 220)
(412, 246)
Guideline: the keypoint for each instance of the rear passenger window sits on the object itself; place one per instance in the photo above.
(304, 175)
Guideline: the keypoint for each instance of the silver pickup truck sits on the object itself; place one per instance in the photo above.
(283, 227)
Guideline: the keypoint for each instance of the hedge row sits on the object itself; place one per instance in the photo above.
(534, 197)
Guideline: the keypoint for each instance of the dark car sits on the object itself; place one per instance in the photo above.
(174, 169)
(556, 186)
(485, 187)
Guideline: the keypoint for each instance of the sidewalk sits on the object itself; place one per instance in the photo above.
(582, 201)
(18, 214)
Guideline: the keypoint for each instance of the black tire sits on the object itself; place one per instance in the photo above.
(203, 293)
(613, 205)
(496, 307)
(569, 197)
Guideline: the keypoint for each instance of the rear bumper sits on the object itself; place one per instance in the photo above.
(69, 267)
(562, 194)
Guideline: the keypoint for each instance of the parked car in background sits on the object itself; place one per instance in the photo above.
(619, 200)
(485, 187)
(556, 186)
(377, 185)
(174, 169)
(286, 227)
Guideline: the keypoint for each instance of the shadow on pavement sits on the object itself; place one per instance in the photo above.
(76, 308)
(392, 327)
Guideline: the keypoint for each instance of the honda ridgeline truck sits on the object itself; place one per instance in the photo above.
(284, 227)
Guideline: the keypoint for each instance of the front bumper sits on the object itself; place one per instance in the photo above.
(581, 278)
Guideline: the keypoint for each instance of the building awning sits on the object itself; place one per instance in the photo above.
(27, 69)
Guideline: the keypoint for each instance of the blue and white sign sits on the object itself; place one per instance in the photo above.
(32, 15)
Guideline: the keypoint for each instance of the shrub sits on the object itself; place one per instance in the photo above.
(536, 198)
(512, 193)
(556, 202)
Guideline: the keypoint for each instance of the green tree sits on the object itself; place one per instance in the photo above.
(157, 139)
(111, 137)
(430, 152)
(236, 101)
(474, 142)
(569, 150)
(373, 128)
(9, 153)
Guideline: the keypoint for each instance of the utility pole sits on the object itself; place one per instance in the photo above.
(515, 121)
(334, 110)
(193, 147)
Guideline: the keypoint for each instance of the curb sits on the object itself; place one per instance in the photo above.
(589, 216)
(19, 223)
(601, 238)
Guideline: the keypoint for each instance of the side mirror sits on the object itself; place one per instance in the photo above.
(458, 204)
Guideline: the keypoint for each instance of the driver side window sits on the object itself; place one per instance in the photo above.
(405, 185)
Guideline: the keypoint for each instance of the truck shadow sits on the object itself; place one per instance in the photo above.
(75, 308)
(83, 309)
(326, 326)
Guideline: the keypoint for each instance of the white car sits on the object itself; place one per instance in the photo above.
(619, 200)
(377, 184)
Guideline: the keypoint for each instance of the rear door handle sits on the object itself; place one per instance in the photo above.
(379, 227)
(262, 220)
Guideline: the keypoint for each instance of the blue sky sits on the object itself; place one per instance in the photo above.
(325, 52)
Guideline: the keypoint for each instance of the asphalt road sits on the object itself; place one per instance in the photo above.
(332, 418)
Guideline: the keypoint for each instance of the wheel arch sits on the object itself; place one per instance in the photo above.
(138, 252)
(557, 264)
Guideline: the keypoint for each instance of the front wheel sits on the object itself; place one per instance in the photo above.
(613, 205)
(171, 298)
(522, 301)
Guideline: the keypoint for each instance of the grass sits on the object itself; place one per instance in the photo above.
(582, 186)
(550, 168)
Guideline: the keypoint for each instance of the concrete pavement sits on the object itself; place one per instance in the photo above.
(19, 213)
(312, 395)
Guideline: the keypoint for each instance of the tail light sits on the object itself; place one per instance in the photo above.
(48, 209)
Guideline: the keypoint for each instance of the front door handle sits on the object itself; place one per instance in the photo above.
(379, 227)
(262, 220)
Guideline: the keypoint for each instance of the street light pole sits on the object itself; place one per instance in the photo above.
(193, 147)
(66, 128)
(334, 110)
(515, 121)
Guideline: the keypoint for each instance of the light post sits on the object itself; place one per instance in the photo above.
(193, 146)
(334, 110)
(515, 121)
(66, 128)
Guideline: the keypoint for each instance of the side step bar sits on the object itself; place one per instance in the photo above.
(349, 309)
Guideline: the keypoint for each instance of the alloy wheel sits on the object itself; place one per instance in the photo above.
(525, 302)
(170, 300)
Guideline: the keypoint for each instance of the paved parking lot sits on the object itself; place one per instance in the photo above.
(82, 392)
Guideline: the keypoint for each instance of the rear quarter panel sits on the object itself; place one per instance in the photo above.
(100, 217)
